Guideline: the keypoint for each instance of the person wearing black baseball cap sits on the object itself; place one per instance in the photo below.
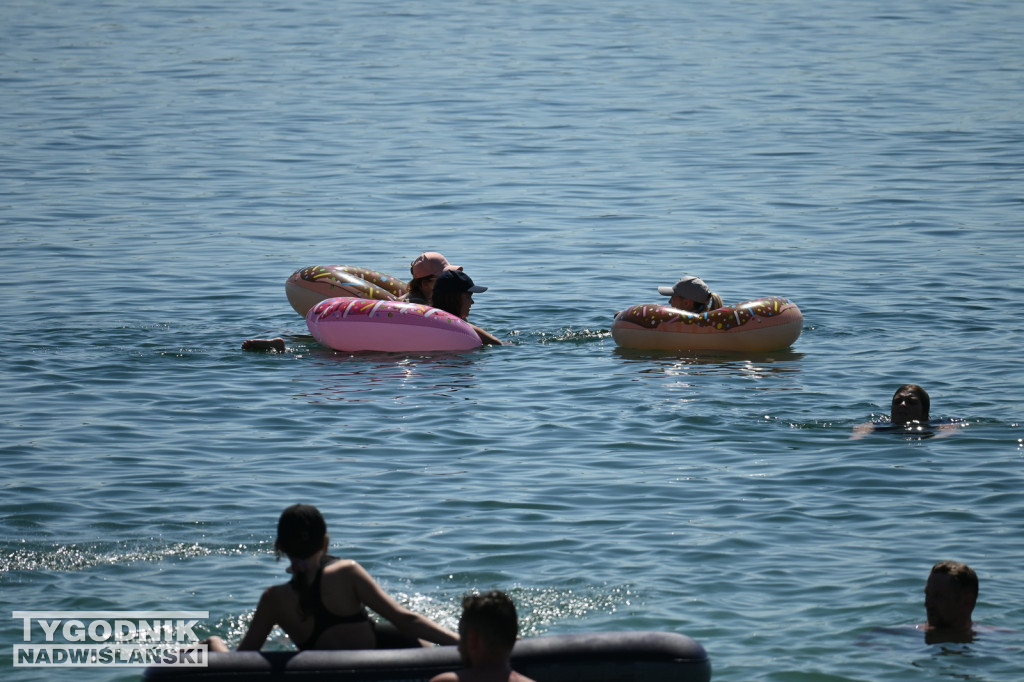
(453, 293)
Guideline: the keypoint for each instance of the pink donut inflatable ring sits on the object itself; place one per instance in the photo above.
(308, 286)
(764, 324)
(358, 324)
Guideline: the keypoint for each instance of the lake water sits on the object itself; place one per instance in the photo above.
(167, 165)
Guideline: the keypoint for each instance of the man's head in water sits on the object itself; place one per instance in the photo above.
(949, 598)
(910, 404)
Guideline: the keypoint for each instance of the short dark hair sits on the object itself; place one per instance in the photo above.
(493, 615)
(921, 394)
(963, 575)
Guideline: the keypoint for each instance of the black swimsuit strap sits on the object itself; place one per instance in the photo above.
(324, 619)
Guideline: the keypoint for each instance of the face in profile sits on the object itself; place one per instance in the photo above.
(465, 304)
(907, 407)
(687, 304)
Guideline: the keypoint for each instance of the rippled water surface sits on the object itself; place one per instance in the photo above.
(166, 166)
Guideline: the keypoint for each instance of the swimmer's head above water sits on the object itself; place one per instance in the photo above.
(301, 532)
(910, 404)
(949, 599)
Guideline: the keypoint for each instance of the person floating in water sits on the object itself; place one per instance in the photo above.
(263, 345)
(425, 270)
(487, 633)
(692, 295)
(324, 604)
(453, 293)
(949, 598)
(950, 595)
(908, 413)
(910, 405)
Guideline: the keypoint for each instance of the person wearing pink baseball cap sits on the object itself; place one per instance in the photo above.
(425, 270)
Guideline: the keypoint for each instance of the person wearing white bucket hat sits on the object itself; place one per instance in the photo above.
(692, 295)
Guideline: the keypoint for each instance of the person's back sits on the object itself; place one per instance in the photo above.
(487, 633)
(324, 605)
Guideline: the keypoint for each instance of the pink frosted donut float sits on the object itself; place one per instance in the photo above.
(358, 324)
(308, 286)
(764, 324)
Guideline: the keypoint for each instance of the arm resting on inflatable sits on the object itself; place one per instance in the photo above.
(263, 622)
(259, 629)
(486, 338)
(409, 622)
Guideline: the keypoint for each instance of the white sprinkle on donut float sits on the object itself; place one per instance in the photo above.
(764, 324)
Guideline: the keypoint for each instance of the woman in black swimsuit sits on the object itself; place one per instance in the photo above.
(324, 604)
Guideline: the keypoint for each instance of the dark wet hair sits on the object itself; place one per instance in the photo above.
(300, 532)
(448, 301)
(963, 575)
(493, 615)
(921, 394)
(714, 302)
(416, 287)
